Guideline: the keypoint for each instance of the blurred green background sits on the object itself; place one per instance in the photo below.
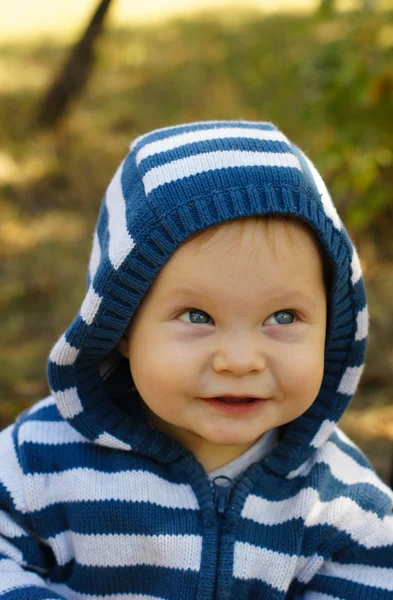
(324, 77)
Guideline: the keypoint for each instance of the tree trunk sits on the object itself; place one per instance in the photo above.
(75, 73)
(326, 7)
(369, 4)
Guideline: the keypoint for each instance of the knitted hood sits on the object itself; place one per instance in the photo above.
(173, 183)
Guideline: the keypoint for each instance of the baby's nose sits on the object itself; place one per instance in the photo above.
(239, 355)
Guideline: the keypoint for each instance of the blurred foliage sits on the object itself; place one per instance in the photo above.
(326, 81)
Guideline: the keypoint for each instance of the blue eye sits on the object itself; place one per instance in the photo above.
(196, 316)
(282, 317)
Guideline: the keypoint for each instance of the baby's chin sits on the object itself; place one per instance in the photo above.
(227, 438)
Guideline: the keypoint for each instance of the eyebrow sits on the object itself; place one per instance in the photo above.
(286, 297)
(184, 291)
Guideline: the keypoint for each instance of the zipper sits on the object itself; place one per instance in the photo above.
(222, 491)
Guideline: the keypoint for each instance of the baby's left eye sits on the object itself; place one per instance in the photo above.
(282, 317)
(195, 316)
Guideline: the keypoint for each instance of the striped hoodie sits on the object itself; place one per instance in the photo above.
(95, 504)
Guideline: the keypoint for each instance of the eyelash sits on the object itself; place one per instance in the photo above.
(197, 310)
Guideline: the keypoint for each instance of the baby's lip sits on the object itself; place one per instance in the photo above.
(235, 397)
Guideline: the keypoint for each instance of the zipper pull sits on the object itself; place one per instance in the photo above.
(222, 492)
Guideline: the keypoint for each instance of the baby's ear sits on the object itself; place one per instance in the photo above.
(123, 345)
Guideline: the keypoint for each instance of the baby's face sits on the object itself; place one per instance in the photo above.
(242, 314)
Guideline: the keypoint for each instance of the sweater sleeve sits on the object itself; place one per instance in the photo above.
(24, 559)
(362, 568)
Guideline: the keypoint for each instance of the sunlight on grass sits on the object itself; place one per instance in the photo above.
(20, 235)
(22, 19)
(9, 169)
(370, 424)
(32, 167)
(14, 79)
(385, 37)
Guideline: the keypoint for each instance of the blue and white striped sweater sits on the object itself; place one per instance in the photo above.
(114, 524)
(95, 504)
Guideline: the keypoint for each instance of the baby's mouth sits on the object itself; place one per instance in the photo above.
(234, 399)
(234, 405)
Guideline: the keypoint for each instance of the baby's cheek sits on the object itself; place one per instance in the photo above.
(303, 371)
(168, 365)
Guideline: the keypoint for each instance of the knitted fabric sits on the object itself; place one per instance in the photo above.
(96, 504)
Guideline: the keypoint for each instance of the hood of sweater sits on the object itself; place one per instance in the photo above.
(173, 183)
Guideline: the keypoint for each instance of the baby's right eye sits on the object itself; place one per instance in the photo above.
(195, 316)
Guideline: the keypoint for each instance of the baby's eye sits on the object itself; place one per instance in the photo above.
(196, 316)
(282, 317)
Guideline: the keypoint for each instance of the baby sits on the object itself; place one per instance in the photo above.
(190, 448)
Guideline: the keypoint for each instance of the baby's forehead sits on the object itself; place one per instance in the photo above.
(257, 247)
(244, 248)
(279, 232)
